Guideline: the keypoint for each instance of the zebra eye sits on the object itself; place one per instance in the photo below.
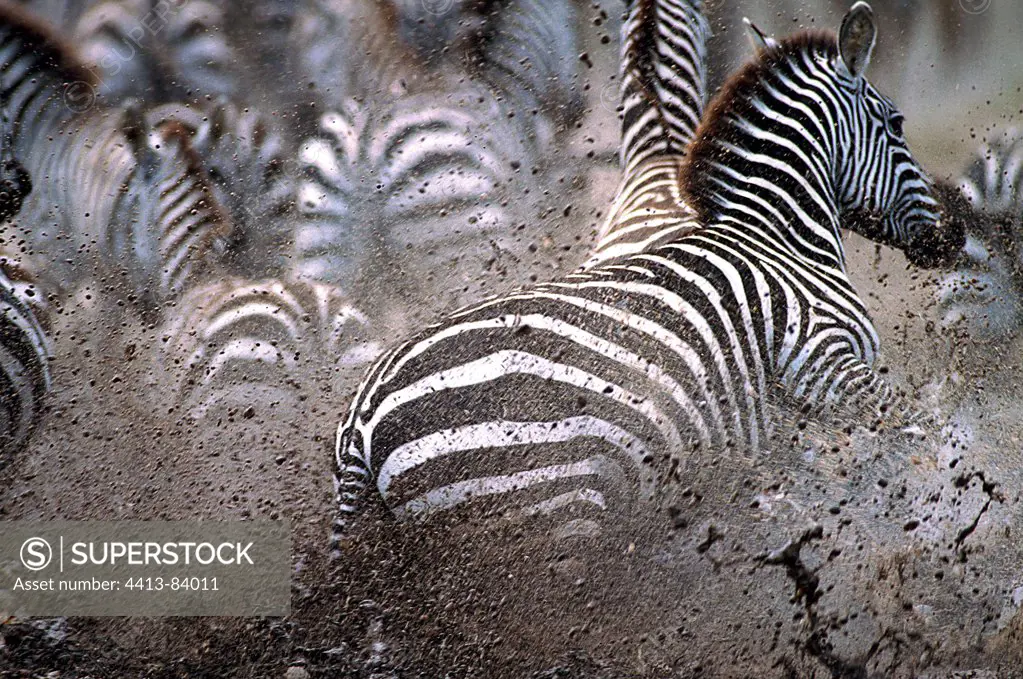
(895, 122)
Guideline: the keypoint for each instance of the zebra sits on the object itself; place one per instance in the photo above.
(424, 173)
(158, 51)
(529, 53)
(236, 341)
(24, 345)
(664, 91)
(567, 398)
(982, 296)
(250, 168)
(118, 195)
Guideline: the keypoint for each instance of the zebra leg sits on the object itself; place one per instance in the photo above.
(859, 394)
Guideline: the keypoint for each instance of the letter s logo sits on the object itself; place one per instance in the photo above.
(36, 554)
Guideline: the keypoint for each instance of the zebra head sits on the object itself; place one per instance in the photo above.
(882, 191)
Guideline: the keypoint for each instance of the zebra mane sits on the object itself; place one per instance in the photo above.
(732, 99)
(42, 40)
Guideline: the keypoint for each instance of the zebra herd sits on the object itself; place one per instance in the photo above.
(717, 287)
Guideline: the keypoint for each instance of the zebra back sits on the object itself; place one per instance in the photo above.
(664, 78)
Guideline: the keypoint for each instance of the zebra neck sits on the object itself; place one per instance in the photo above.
(756, 173)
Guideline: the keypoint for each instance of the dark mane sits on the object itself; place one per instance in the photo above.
(41, 39)
(740, 87)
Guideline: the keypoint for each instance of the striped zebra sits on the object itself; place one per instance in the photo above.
(663, 85)
(118, 195)
(24, 368)
(530, 55)
(423, 179)
(235, 342)
(24, 346)
(984, 295)
(566, 399)
(158, 51)
(249, 167)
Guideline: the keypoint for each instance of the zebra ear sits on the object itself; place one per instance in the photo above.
(857, 38)
(758, 38)
(135, 128)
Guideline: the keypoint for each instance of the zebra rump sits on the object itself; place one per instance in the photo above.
(236, 342)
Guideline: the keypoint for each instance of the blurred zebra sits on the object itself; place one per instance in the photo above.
(249, 167)
(158, 51)
(565, 399)
(664, 90)
(984, 296)
(530, 55)
(423, 179)
(24, 368)
(236, 342)
(24, 346)
(117, 194)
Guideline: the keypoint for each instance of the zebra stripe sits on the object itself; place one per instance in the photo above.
(24, 369)
(531, 56)
(24, 346)
(116, 192)
(410, 188)
(248, 166)
(663, 76)
(983, 295)
(158, 52)
(588, 393)
(235, 342)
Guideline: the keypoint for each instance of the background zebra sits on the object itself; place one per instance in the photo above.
(983, 296)
(235, 343)
(118, 194)
(594, 390)
(158, 52)
(427, 178)
(24, 346)
(250, 169)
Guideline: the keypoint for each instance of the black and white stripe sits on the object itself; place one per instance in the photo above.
(571, 398)
(664, 90)
(24, 346)
(113, 192)
(248, 165)
(159, 51)
(427, 186)
(984, 295)
(236, 342)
